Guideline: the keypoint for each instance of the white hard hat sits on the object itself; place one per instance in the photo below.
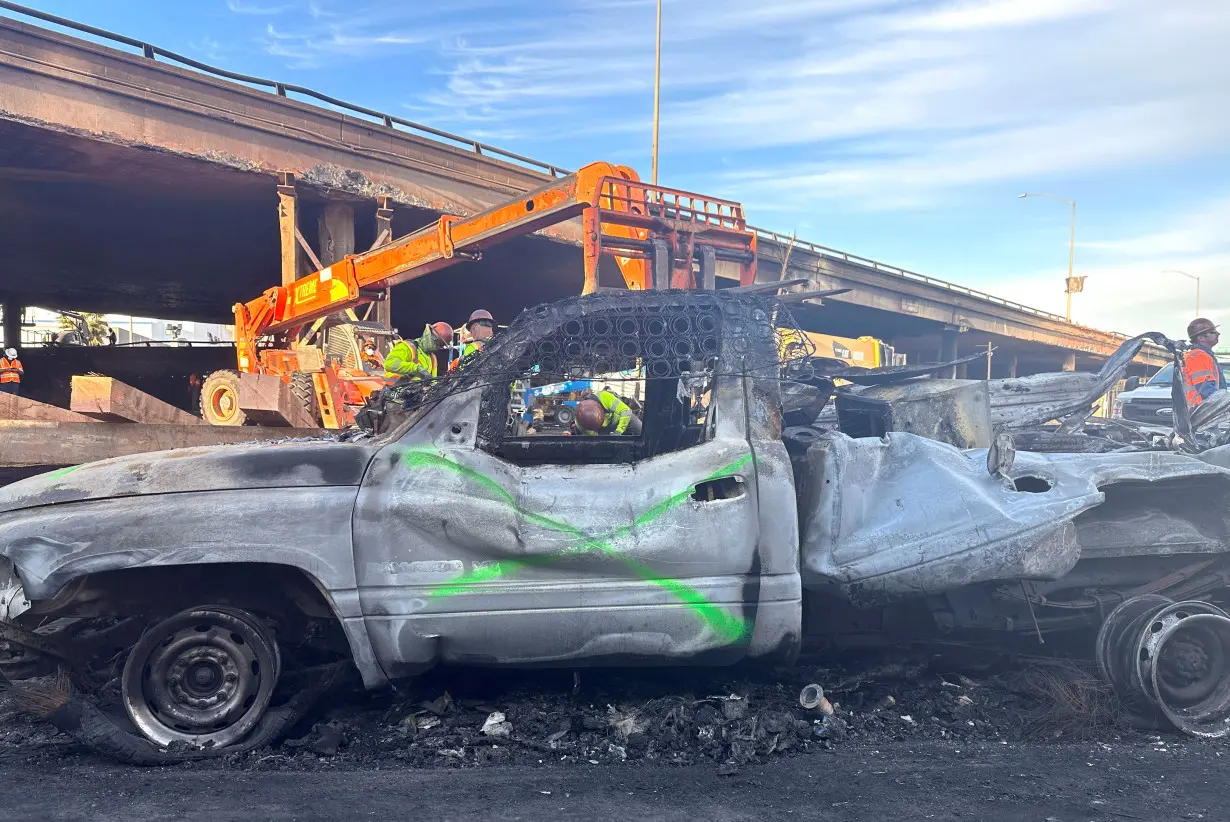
(11, 353)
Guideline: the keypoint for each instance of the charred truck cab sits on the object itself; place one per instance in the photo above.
(448, 538)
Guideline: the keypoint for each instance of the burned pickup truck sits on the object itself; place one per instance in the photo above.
(200, 580)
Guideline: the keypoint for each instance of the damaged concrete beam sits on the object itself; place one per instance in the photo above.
(336, 232)
(29, 444)
(110, 400)
(20, 408)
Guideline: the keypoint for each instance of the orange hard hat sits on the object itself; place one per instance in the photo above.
(590, 415)
(480, 314)
(442, 332)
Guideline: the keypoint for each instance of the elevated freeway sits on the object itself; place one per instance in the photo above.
(136, 180)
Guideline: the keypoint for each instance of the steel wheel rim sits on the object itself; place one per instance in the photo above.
(204, 677)
(222, 402)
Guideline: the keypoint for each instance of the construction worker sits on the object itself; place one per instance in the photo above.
(11, 372)
(602, 412)
(195, 383)
(1203, 371)
(480, 327)
(372, 363)
(415, 360)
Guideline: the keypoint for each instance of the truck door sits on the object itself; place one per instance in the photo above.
(477, 546)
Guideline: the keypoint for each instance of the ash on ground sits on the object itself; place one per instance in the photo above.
(458, 718)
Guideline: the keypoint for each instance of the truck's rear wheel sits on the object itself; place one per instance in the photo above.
(204, 676)
(220, 399)
(304, 389)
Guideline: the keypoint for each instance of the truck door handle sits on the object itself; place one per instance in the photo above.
(718, 489)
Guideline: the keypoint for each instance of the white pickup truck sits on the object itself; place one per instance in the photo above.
(1148, 402)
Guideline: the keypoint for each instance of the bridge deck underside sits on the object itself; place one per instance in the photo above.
(90, 225)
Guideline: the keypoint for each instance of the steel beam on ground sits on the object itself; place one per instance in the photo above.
(110, 400)
(13, 407)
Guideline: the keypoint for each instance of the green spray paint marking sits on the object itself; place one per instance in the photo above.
(59, 472)
(728, 626)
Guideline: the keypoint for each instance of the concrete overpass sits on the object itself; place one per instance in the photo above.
(131, 184)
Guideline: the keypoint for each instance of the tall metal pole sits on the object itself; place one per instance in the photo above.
(1067, 286)
(1071, 260)
(657, 91)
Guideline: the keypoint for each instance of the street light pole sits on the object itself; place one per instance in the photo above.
(657, 91)
(1190, 277)
(1071, 247)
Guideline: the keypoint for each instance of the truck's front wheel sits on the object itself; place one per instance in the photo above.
(204, 676)
(220, 399)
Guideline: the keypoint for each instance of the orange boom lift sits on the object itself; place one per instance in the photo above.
(307, 334)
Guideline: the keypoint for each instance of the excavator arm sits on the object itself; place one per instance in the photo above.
(658, 237)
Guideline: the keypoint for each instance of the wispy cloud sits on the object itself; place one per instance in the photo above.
(1130, 285)
(239, 7)
(209, 47)
(984, 14)
(1199, 231)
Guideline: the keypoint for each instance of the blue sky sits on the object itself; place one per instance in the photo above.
(900, 130)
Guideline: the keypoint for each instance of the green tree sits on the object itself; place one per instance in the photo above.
(90, 329)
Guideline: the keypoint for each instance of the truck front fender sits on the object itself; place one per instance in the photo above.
(304, 528)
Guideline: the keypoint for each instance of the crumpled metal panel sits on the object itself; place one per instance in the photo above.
(904, 516)
(1016, 400)
(212, 468)
(465, 557)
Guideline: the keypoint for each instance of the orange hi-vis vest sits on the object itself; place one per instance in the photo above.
(10, 370)
(1203, 375)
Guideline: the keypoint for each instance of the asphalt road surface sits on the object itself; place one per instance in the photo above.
(1174, 779)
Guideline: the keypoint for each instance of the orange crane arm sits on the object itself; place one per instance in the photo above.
(621, 218)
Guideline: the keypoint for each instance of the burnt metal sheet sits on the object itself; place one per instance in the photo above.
(183, 470)
(905, 516)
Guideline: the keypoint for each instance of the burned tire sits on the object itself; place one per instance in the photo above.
(204, 677)
(220, 399)
(304, 389)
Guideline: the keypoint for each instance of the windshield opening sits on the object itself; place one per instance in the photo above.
(1162, 377)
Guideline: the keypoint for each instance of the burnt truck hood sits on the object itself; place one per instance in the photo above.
(214, 468)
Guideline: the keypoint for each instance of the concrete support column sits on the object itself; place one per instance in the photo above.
(336, 228)
(288, 226)
(1069, 362)
(948, 349)
(11, 324)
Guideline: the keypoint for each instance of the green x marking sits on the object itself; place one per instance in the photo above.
(730, 627)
